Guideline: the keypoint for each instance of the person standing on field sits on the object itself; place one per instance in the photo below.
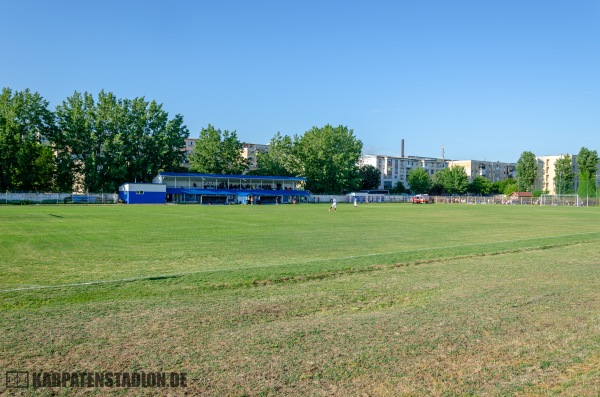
(355, 203)
(333, 205)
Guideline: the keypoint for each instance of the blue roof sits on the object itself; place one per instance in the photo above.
(225, 192)
(225, 176)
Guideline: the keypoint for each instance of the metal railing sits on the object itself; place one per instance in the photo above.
(58, 198)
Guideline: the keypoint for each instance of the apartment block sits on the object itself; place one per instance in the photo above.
(190, 143)
(249, 152)
(395, 169)
(492, 170)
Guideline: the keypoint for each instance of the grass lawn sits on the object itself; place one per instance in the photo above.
(386, 299)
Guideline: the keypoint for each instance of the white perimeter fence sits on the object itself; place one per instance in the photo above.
(58, 198)
(569, 200)
(113, 198)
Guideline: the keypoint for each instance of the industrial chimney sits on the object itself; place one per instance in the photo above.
(402, 152)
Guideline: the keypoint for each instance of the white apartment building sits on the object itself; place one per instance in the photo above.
(492, 170)
(395, 169)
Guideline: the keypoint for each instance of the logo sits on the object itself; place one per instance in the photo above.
(17, 379)
(84, 379)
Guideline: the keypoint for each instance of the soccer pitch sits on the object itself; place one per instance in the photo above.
(386, 299)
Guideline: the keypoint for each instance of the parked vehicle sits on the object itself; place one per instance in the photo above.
(420, 199)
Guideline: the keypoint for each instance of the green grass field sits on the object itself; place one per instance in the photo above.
(384, 300)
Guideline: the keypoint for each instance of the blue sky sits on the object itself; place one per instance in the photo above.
(486, 79)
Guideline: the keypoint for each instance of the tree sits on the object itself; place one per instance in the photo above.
(563, 175)
(399, 188)
(151, 142)
(538, 193)
(419, 180)
(280, 160)
(370, 176)
(101, 144)
(436, 188)
(587, 161)
(329, 156)
(454, 180)
(72, 141)
(498, 187)
(480, 185)
(510, 187)
(218, 152)
(527, 171)
(25, 122)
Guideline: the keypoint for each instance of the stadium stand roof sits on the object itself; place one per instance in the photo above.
(225, 192)
(227, 176)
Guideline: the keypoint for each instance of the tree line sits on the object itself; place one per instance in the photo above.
(326, 156)
(587, 162)
(96, 144)
(91, 144)
(454, 180)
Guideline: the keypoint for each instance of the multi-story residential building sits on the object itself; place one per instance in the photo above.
(547, 177)
(249, 152)
(395, 169)
(190, 143)
(492, 170)
(547, 173)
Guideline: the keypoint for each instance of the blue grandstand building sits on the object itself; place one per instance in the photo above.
(230, 189)
(142, 193)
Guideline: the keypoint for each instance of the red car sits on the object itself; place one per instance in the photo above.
(420, 199)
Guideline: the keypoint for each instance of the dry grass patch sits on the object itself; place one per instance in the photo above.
(514, 324)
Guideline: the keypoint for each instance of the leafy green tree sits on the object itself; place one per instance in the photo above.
(329, 156)
(218, 152)
(280, 160)
(587, 161)
(459, 182)
(25, 122)
(419, 180)
(45, 170)
(527, 171)
(563, 175)
(510, 187)
(436, 188)
(454, 180)
(72, 141)
(480, 185)
(499, 186)
(101, 144)
(399, 188)
(150, 141)
(371, 177)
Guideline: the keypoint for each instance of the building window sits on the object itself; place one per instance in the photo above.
(139, 192)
